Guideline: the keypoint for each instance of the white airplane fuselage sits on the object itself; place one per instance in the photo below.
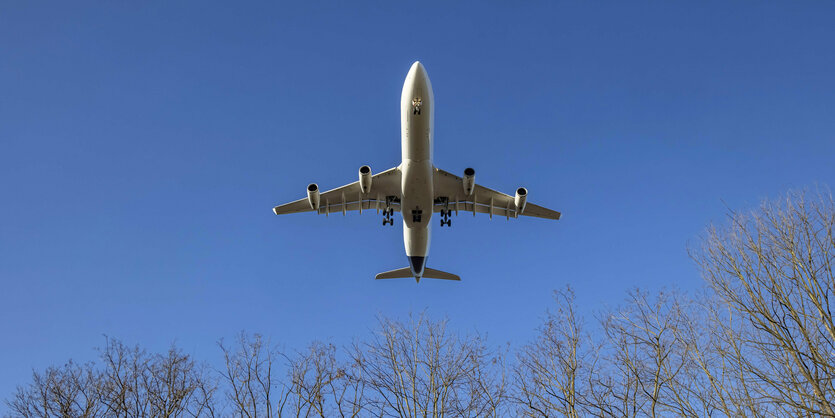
(417, 129)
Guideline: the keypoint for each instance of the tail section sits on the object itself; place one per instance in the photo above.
(406, 272)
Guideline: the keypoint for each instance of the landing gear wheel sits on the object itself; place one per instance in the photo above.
(445, 214)
(387, 216)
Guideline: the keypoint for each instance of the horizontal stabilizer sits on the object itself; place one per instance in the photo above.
(429, 273)
(404, 273)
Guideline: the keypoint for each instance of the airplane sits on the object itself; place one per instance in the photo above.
(416, 188)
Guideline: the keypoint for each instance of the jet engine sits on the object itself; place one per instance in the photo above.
(365, 179)
(468, 181)
(520, 199)
(313, 196)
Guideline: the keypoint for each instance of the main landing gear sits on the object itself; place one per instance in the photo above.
(388, 212)
(445, 214)
(387, 216)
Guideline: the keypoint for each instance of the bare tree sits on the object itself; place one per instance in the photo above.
(652, 356)
(134, 383)
(177, 386)
(405, 369)
(760, 342)
(67, 391)
(254, 388)
(549, 372)
(416, 369)
(711, 380)
(647, 351)
(130, 383)
(774, 269)
(322, 386)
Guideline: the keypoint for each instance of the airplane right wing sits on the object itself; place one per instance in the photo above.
(450, 195)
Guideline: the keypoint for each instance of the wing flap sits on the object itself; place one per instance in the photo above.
(467, 207)
(371, 204)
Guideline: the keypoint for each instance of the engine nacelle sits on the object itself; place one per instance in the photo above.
(365, 179)
(520, 199)
(468, 181)
(313, 196)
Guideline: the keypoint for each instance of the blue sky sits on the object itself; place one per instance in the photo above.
(143, 145)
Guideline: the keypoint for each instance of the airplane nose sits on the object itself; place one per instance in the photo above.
(418, 70)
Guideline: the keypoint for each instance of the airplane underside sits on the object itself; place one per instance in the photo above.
(416, 188)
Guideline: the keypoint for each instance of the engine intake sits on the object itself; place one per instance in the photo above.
(520, 199)
(468, 181)
(313, 196)
(365, 179)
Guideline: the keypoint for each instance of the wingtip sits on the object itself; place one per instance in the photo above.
(275, 210)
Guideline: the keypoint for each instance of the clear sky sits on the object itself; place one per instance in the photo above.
(144, 144)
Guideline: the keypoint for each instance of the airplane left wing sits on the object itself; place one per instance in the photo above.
(450, 196)
(384, 192)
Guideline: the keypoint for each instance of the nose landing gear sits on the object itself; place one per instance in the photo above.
(416, 102)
